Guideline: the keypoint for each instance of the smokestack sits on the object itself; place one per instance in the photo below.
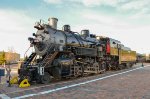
(53, 22)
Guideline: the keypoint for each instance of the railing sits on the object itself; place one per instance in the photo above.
(26, 52)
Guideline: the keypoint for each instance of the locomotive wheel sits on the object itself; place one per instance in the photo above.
(56, 72)
(109, 67)
(103, 68)
(127, 65)
(115, 67)
(79, 72)
(131, 65)
(82, 71)
(96, 67)
(46, 78)
(120, 67)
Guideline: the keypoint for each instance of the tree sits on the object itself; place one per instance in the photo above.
(10, 55)
(2, 57)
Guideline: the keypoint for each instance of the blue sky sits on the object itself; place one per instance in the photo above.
(125, 20)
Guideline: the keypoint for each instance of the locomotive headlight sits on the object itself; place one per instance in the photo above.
(31, 40)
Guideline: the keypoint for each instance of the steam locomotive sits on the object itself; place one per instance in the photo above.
(64, 53)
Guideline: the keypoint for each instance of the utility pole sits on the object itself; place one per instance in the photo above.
(142, 62)
(8, 69)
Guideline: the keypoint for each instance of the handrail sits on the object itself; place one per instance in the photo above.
(26, 51)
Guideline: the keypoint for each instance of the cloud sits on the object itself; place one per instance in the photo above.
(112, 21)
(53, 1)
(103, 19)
(16, 27)
(135, 36)
(13, 20)
(87, 3)
(91, 2)
(102, 2)
(136, 5)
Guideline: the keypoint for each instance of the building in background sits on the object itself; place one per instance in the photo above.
(147, 57)
(2, 57)
(143, 57)
(9, 57)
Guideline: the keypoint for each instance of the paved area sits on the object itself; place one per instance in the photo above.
(14, 71)
(125, 84)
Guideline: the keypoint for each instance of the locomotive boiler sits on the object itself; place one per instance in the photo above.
(64, 53)
(48, 36)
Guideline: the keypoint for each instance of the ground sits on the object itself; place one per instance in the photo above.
(124, 84)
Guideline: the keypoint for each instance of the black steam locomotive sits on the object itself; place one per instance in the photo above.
(64, 53)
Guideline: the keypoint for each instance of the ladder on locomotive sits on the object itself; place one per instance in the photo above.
(50, 56)
(28, 61)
